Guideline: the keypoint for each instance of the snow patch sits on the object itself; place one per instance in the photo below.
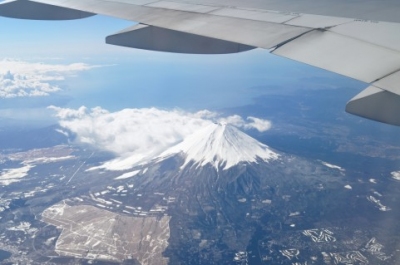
(12, 175)
(65, 133)
(332, 166)
(24, 227)
(43, 160)
(396, 175)
(123, 163)
(378, 203)
(56, 210)
(222, 146)
(128, 175)
(266, 201)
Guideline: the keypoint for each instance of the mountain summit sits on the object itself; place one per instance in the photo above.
(221, 145)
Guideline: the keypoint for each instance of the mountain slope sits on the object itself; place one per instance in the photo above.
(221, 145)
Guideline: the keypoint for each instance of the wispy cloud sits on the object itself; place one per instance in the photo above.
(137, 134)
(28, 79)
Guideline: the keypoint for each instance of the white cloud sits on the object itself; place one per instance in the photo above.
(258, 124)
(137, 134)
(250, 123)
(27, 79)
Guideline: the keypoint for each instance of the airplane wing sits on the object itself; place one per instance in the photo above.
(363, 43)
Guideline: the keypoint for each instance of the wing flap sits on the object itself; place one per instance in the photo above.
(383, 34)
(159, 39)
(376, 104)
(24, 9)
(343, 55)
(390, 83)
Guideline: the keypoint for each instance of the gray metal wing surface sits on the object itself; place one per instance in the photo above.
(359, 39)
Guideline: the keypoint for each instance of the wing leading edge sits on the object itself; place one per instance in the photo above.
(365, 50)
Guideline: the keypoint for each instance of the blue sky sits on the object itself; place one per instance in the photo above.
(129, 78)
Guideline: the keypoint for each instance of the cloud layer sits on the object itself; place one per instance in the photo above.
(137, 134)
(27, 79)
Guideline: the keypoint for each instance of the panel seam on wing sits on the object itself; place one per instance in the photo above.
(291, 39)
(364, 41)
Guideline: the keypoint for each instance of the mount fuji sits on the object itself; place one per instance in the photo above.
(218, 144)
(222, 146)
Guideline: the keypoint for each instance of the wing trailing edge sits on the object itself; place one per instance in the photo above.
(24, 9)
(159, 39)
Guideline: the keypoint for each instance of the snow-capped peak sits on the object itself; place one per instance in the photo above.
(221, 145)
